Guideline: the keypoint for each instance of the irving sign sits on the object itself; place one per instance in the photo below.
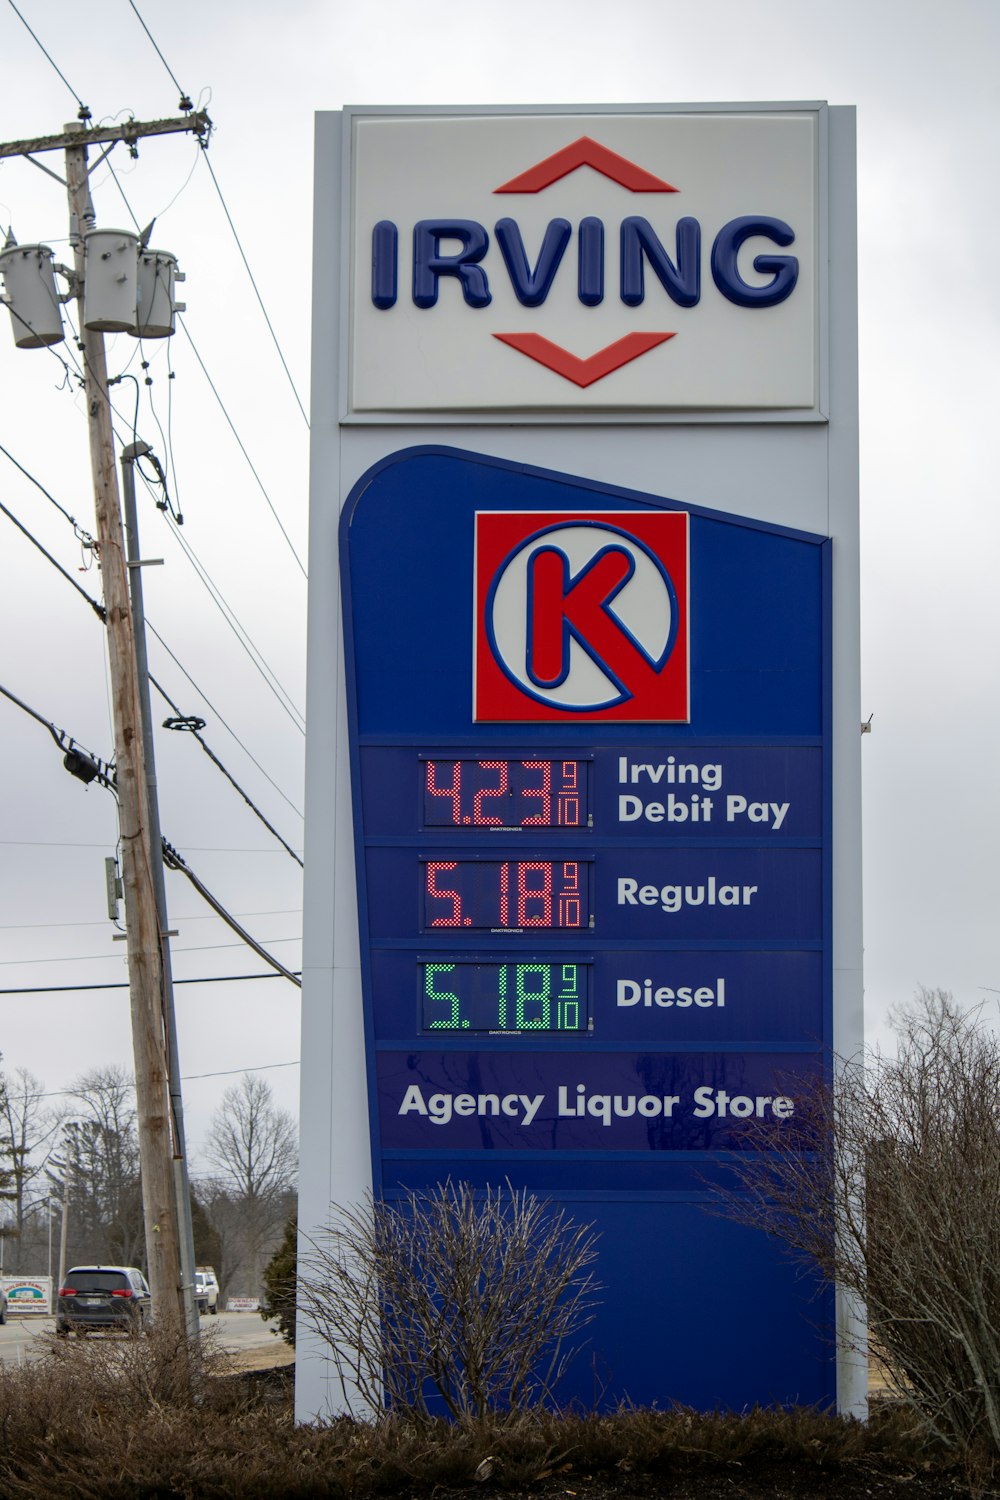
(639, 264)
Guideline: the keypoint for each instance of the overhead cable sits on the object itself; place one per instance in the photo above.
(123, 984)
(215, 393)
(189, 725)
(114, 179)
(297, 811)
(185, 104)
(97, 770)
(281, 911)
(257, 294)
(98, 609)
(239, 440)
(102, 772)
(266, 672)
(173, 861)
(84, 112)
(102, 616)
(82, 533)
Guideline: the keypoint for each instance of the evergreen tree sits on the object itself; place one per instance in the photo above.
(207, 1240)
(279, 1283)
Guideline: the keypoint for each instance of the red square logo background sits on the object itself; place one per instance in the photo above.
(656, 696)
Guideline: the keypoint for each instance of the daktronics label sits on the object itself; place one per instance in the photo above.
(581, 616)
(625, 262)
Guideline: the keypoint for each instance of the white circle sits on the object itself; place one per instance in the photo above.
(642, 607)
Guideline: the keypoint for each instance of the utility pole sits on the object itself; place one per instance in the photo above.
(143, 928)
(182, 1189)
(160, 1135)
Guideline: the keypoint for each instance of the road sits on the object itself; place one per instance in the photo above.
(22, 1338)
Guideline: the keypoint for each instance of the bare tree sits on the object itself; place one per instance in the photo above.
(7, 1189)
(29, 1129)
(888, 1182)
(467, 1298)
(252, 1144)
(98, 1166)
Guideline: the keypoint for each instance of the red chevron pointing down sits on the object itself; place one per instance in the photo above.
(586, 153)
(583, 372)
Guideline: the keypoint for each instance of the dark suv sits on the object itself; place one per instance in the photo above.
(102, 1297)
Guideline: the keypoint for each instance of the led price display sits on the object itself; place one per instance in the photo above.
(513, 997)
(505, 794)
(509, 894)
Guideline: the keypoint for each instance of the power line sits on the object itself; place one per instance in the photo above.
(114, 179)
(77, 844)
(122, 984)
(98, 609)
(91, 958)
(221, 720)
(82, 533)
(253, 283)
(173, 861)
(96, 769)
(281, 911)
(184, 722)
(246, 641)
(187, 1077)
(185, 104)
(102, 616)
(84, 111)
(243, 636)
(231, 1072)
(239, 440)
(215, 593)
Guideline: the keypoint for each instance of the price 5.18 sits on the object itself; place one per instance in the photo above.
(506, 894)
(514, 997)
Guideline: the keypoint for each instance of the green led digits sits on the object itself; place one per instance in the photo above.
(453, 1021)
(534, 994)
(480, 997)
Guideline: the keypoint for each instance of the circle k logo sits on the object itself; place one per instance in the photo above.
(581, 616)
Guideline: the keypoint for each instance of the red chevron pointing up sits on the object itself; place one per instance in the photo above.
(583, 372)
(586, 153)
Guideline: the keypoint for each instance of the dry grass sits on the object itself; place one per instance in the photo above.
(119, 1419)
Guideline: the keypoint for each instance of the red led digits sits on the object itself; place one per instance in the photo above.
(505, 794)
(453, 918)
(504, 894)
(568, 801)
(534, 900)
(478, 816)
(544, 815)
(570, 905)
(453, 792)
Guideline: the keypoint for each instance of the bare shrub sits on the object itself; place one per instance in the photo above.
(454, 1297)
(888, 1181)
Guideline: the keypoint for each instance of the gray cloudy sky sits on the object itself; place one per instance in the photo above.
(924, 78)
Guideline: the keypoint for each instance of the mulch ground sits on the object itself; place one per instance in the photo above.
(694, 1475)
(761, 1480)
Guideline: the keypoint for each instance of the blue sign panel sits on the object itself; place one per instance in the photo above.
(590, 750)
(543, 1101)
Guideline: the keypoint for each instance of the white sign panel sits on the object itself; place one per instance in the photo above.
(620, 263)
(28, 1294)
